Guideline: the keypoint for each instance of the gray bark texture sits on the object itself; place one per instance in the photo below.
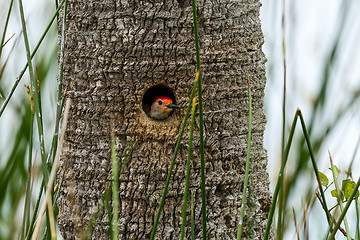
(115, 51)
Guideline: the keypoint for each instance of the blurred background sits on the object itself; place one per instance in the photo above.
(15, 121)
(323, 80)
(323, 70)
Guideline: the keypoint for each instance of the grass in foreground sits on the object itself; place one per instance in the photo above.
(20, 173)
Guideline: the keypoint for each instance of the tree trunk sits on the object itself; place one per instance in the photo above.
(116, 50)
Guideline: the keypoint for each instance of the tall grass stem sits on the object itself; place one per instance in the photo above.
(192, 217)
(280, 177)
(177, 146)
(107, 204)
(53, 171)
(26, 216)
(201, 123)
(316, 171)
(281, 198)
(187, 175)
(5, 27)
(51, 218)
(29, 233)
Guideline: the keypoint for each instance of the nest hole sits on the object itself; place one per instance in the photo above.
(156, 91)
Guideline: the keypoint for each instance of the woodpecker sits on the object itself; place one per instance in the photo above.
(161, 107)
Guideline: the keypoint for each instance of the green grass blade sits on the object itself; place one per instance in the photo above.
(201, 123)
(35, 94)
(60, 99)
(49, 188)
(319, 138)
(247, 166)
(36, 208)
(40, 121)
(8, 97)
(115, 185)
(281, 198)
(34, 89)
(187, 176)
(343, 212)
(107, 204)
(162, 200)
(5, 27)
(312, 157)
(56, 6)
(280, 176)
(192, 217)
(339, 196)
(105, 199)
(26, 214)
(51, 219)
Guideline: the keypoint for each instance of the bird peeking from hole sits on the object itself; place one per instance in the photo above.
(161, 107)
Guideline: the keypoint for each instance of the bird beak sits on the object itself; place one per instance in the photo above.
(172, 106)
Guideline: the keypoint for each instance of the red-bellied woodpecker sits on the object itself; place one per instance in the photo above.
(161, 107)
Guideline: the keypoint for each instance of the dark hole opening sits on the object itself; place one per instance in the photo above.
(156, 91)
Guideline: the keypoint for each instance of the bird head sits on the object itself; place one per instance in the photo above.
(161, 107)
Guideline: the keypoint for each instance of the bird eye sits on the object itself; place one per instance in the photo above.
(160, 102)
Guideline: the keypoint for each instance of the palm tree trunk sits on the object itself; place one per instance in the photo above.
(116, 50)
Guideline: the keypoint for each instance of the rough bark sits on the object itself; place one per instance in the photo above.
(118, 49)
